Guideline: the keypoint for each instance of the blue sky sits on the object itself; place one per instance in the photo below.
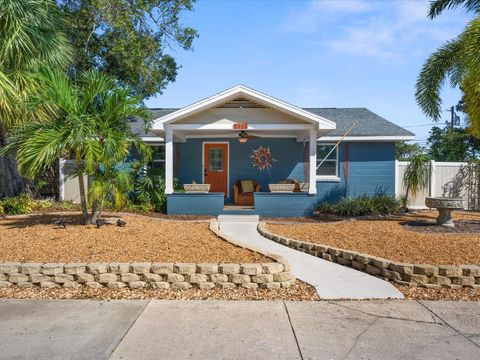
(338, 53)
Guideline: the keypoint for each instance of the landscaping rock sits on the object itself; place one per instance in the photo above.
(140, 268)
(63, 278)
(364, 259)
(31, 268)
(440, 280)
(380, 263)
(281, 277)
(272, 268)
(262, 278)
(450, 271)
(196, 278)
(129, 277)
(152, 277)
(471, 270)
(72, 285)
(52, 268)
(93, 285)
(343, 261)
(392, 275)
(161, 268)
(116, 285)
(428, 270)
(137, 284)
(228, 269)
(271, 285)
(97, 268)
(9, 267)
(373, 270)
(250, 285)
(161, 285)
(286, 284)
(184, 268)
(17, 278)
(218, 278)
(84, 278)
(251, 269)
(106, 278)
(239, 278)
(401, 268)
(182, 285)
(326, 256)
(358, 265)
(349, 255)
(38, 278)
(227, 285)
(206, 285)
(49, 285)
(119, 268)
(320, 248)
(415, 278)
(73, 268)
(5, 284)
(464, 281)
(25, 285)
(335, 252)
(3, 277)
(174, 278)
(207, 268)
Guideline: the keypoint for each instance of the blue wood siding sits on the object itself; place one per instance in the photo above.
(371, 168)
(195, 204)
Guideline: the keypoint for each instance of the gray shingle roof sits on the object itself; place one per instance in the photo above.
(368, 123)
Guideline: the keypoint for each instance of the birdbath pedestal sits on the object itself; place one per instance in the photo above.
(445, 206)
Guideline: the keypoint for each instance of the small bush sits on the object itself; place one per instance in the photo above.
(18, 205)
(379, 204)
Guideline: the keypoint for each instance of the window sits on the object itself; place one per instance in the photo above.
(329, 165)
(158, 156)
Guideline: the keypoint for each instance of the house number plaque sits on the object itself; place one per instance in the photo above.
(240, 126)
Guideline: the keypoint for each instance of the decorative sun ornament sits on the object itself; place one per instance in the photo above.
(262, 158)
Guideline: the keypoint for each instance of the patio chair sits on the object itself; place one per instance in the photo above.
(242, 197)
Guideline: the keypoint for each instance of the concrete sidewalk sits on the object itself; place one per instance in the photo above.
(332, 281)
(83, 329)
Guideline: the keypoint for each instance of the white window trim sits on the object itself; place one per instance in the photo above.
(332, 178)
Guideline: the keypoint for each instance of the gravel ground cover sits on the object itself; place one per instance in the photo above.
(34, 238)
(300, 291)
(391, 239)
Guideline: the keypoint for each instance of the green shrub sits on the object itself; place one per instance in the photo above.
(379, 204)
(21, 204)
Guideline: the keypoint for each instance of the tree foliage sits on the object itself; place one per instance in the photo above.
(129, 39)
(455, 144)
(457, 60)
(405, 151)
(87, 120)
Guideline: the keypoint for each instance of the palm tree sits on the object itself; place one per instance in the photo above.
(31, 37)
(457, 60)
(417, 175)
(87, 120)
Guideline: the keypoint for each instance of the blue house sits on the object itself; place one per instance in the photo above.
(260, 155)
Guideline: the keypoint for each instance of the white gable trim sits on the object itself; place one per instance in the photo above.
(234, 92)
(367, 138)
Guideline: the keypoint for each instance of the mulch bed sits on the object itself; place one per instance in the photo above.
(300, 291)
(430, 226)
(34, 238)
(390, 239)
(446, 294)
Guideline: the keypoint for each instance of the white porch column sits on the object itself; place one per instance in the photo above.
(313, 162)
(168, 161)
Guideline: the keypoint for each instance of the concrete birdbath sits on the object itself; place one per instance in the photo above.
(445, 206)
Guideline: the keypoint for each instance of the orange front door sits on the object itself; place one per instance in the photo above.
(216, 167)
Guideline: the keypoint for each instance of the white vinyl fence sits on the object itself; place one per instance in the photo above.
(69, 190)
(448, 179)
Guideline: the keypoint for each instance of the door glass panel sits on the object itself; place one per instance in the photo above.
(215, 159)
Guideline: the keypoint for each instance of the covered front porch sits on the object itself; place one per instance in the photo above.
(244, 139)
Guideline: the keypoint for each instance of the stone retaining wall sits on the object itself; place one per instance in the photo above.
(406, 274)
(177, 276)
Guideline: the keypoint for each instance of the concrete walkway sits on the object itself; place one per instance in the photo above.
(142, 330)
(332, 281)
